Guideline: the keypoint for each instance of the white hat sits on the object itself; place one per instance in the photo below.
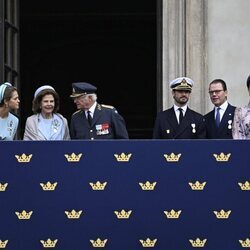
(43, 88)
(182, 83)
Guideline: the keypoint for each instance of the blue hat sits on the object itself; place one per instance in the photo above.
(40, 89)
(2, 89)
(82, 88)
(182, 83)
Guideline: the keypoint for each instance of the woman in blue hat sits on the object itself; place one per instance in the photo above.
(9, 100)
(46, 123)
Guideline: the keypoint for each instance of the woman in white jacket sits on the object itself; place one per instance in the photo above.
(46, 123)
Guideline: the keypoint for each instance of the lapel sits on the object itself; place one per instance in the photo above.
(213, 123)
(97, 114)
(84, 118)
(172, 119)
(184, 124)
(228, 115)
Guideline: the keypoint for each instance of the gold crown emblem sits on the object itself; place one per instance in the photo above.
(48, 186)
(3, 244)
(245, 243)
(23, 158)
(98, 185)
(172, 214)
(98, 242)
(198, 242)
(123, 214)
(172, 157)
(244, 186)
(49, 243)
(73, 214)
(148, 242)
(222, 157)
(24, 215)
(197, 185)
(147, 186)
(222, 214)
(122, 157)
(3, 187)
(73, 157)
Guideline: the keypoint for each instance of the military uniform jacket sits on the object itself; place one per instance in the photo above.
(224, 131)
(106, 124)
(191, 127)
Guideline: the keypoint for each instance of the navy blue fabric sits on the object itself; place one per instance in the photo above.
(167, 127)
(83, 87)
(113, 125)
(147, 163)
(224, 131)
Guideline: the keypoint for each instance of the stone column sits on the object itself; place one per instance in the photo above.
(196, 52)
(184, 32)
(173, 35)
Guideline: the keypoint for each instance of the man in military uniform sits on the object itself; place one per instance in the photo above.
(180, 122)
(94, 120)
(219, 121)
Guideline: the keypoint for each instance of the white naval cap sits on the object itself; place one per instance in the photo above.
(182, 83)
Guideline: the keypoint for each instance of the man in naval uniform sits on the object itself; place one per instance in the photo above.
(94, 120)
(180, 122)
(219, 121)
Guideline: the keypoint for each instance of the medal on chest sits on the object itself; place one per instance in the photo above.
(102, 129)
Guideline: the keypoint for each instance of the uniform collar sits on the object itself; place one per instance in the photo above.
(184, 108)
(92, 108)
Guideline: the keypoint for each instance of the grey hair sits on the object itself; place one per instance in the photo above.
(94, 96)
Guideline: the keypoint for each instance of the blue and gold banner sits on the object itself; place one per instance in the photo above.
(125, 195)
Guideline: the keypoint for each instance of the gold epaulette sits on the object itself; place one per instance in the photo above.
(107, 106)
(76, 112)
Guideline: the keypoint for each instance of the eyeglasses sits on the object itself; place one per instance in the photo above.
(215, 91)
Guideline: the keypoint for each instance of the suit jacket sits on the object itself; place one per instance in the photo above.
(106, 124)
(224, 131)
(191, 127)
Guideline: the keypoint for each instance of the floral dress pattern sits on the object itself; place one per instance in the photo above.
(241, 124)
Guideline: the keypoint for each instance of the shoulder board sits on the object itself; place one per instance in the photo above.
(107, 106)
(78, 111)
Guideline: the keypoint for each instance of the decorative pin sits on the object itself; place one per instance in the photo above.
(193, 126)
(10, 127)
(230, 124)
(55, 125)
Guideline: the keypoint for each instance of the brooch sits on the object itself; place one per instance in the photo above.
(55, 125)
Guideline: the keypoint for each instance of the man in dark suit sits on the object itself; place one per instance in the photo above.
(219, 121)
(180, 122)
(94, 120)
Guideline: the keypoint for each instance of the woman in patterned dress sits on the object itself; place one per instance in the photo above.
(241, 124)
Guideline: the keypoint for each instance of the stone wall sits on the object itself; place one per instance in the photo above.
(204, 40)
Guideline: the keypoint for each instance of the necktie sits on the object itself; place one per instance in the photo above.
(89, 118)
(180, 115)
(217, 117)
